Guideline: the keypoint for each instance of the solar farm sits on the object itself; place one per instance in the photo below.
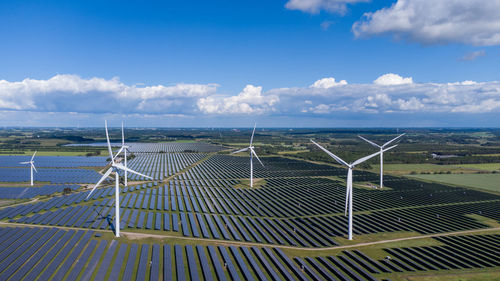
(189, 213)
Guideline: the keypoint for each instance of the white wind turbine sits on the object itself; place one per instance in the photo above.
(252, 153)
(348, 199)
(124, 149)
(381, 155)
(32, 166)
(115, 167)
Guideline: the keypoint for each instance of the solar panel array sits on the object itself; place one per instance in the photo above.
(55, 176)
(53, 254)
(54, 161)
(164, 147)
(30, 192)
(298, 203)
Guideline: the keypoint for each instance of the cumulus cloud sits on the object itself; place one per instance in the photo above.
(393, 79)
(71, 93)
(473, 55)
(326, 83)
(315, 6)
(474, 22)
(392, 96)
(250, 100)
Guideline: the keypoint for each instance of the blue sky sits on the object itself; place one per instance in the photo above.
(227, 63)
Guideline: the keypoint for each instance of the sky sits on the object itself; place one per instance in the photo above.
(280, 63)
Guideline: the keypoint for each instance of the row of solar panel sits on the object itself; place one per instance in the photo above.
(165, 147)
(52, 254)
(30, 192)
(272, 231)
(56, 176)
(54, 161)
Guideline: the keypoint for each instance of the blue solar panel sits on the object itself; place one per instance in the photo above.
(179, 263)
(229, 264)
(205, 267)
(241, 264)
(155, 263)
(103, 269)
(77, 268)
(219, 271)
(129, 268)
(167, 263)
(143, 262)
(76, 251)
(93, 262)
(117, 266)
(193, 270)
(158, 221)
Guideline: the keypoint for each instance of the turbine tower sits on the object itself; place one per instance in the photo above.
(124, 149)
(348, 198)
(32, 166)
(381, 155)
(115, 167)
(252, 153)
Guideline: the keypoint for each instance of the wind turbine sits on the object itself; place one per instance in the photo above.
(124, 149)
(348, 198)
(32, 166)
(252, 153)
(381, 155)
(115, 167)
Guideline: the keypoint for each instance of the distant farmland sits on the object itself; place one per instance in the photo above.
(483, 181)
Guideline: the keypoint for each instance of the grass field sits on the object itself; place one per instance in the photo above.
(483, 181)
(483, 167)
(405, 169)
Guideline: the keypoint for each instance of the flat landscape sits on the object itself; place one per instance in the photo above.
(484, 181)
(197, 218)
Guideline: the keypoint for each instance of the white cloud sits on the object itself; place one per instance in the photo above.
(474, 22)
(326, 83)
(71, 93)
(325, 109)
(315, 6)
(249, 101)
(473, 55)
(393, 79)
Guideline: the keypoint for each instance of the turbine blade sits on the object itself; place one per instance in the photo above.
(107, 139)
(123, 136)
(33, 156)
(370, 142)
(24, 162)
(340, 161)
(393, 139)
(385, 149)
(255, 154)
(241, 150)
(32, 165)
(361, 160)
(105, 176)
(123, 168)
(119, 151)
(251, 139)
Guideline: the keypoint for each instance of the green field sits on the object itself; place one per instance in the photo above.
(404, 169)
(484, 167)
(483, 181)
